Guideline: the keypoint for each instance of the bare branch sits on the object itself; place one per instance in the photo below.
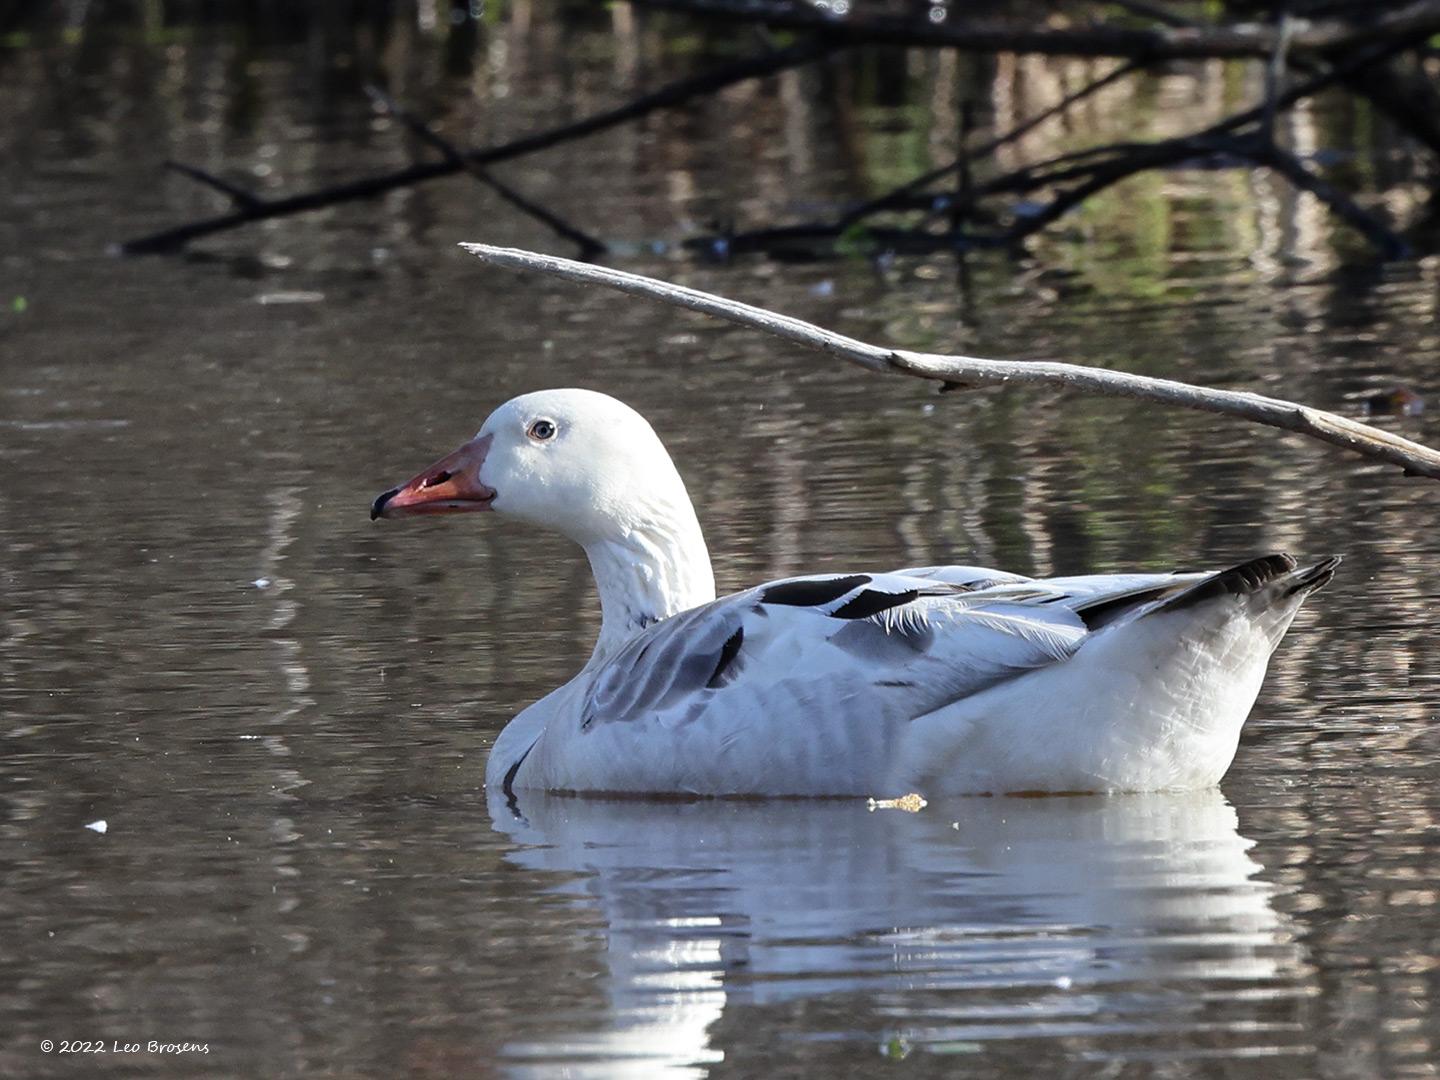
(1353, 435)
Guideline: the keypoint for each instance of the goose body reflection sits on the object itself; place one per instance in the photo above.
(975, 919)
(938, 680)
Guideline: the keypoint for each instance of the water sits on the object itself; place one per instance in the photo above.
(280, 710)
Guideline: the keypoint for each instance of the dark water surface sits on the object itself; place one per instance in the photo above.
(281, 711)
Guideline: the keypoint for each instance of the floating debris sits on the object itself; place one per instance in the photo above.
(261, 583)
(98, 826)
(911, 804)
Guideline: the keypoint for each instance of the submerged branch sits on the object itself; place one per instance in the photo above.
(1415, 458)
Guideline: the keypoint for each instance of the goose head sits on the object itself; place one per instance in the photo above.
(590, 467)
(576, 461)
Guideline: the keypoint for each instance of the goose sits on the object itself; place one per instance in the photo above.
(936, 680)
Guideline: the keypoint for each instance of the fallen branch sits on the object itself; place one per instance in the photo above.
(369, 187)
(1372, 442)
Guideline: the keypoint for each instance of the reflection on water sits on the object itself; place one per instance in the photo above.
(282, 711)
(1136, 917)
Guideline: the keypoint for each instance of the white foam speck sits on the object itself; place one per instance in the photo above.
(291, 296)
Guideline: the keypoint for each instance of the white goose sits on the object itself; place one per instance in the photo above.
(939, 680)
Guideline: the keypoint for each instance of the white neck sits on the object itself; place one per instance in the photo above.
(649, 573)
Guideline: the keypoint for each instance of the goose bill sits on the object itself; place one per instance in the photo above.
(450, 486)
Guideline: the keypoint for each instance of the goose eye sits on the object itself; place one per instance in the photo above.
(542, 430)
